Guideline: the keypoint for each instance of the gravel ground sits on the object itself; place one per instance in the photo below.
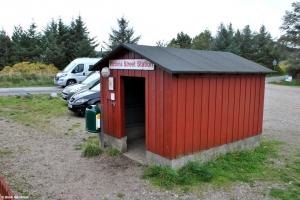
(45, 164)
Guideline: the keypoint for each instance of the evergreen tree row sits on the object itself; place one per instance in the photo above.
(58, 44)
(258, 47)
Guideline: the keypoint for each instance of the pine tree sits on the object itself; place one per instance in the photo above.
(224, 40)
(33, 48)
(53, 46)
(203, 41)
(246, 45)
(5, 50)
(183, 41)
(18, 45)
(264, 48)
(123, 35)
(290, 40)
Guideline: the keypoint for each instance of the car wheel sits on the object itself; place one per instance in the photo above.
(71, 82)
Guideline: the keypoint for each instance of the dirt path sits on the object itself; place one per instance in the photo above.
(45, 165)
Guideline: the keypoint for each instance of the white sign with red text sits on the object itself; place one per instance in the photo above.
(137, 64)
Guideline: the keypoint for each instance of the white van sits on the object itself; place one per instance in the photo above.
(75, 72)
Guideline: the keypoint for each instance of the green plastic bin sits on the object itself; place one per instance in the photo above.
(91, 113)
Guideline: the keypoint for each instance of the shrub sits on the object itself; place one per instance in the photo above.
(294, 71)
(90, 150)
(113, 152)
(30, 68)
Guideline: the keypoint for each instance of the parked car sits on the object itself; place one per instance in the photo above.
(75, 72)
(81, 100)
(89, 82)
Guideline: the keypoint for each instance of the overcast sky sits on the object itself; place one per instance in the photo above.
(154, 20)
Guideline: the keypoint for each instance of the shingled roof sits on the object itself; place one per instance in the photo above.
(175, 60)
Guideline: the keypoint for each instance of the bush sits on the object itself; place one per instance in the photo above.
(30, 68)
(90, 150)
(294, 71)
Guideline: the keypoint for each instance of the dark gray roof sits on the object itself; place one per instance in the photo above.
(175, 60)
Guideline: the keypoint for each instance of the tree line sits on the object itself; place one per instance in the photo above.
(57, 44)
(259, 47)
(60, 43)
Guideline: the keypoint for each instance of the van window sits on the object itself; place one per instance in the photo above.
(69, 67)
(79, 68)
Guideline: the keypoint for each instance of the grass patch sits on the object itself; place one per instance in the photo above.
(5, 153)
(285, 83)
(120, 195)
(26, 80)
(93, 139)
(33, 110)
(77, 125)
(90, 150)
(113, 152)
(244, 166)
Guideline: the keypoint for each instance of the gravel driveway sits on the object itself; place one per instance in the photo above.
(45, 164)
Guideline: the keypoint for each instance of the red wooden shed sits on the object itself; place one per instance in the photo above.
(184, 104)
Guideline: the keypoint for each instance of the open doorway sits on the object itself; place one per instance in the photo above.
(134, 94)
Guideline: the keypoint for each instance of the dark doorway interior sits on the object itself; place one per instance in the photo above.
(134, 92)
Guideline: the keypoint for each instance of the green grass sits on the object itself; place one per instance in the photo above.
(243, 166)
(113, 152)
(120, 195)
(285, 83)
(5, 153)
(90, 150)
(34, 110)
(26, 80)
(89, 146)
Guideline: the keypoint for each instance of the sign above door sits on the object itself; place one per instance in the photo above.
(136, 64)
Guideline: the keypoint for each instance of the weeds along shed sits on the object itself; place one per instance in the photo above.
(186, 104)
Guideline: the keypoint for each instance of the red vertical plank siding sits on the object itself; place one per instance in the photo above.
(261, 103)
(138, 73)
(230, 109)
(224, 110)
(247, 107)
(125, 72)
(151, 111)
(104, 102)
(218, 113)
(252, 106)
(241, 130)
(131, 72)
(204, 114)
(211, 112)
(236, 116)
(131, 55)
(116, 109)
(197, 114)
(174, 115)
(190, 92)
(159, 112)
(181, 112)
(256, 106)
(167, 106)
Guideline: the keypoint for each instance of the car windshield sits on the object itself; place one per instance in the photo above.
(91, 79)
(69, 67)
(96, 87)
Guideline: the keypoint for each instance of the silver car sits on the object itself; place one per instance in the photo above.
(92, 80)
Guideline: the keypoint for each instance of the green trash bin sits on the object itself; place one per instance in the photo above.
(92, 119)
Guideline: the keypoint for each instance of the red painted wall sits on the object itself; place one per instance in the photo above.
(188, 113)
